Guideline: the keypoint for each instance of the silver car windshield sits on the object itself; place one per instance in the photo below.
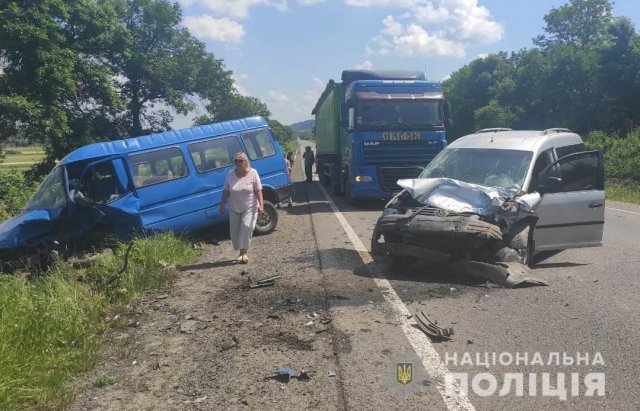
(487, 167)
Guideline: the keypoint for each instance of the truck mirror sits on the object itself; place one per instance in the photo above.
(351, 119)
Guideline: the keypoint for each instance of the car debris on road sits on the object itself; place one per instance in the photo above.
(286, 374)
(431, 328)
(264, 282)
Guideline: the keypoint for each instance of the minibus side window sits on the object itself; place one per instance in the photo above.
(157, 166)
(258, 144)
(102, 184)
(213, 154)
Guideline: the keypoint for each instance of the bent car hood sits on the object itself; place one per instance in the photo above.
(20, 229)
(460, 197)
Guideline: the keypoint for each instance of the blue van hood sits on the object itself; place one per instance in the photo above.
(18, 230)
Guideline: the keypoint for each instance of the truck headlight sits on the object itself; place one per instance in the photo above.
(363, 179)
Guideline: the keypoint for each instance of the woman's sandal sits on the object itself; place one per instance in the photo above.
(245, 259)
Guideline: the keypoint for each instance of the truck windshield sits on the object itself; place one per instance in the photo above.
(398, 114)
(487, 167)
(50, 194)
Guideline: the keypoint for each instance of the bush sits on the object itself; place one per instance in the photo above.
(15, 191)
(621, 155)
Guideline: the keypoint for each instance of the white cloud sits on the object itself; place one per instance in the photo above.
(367, 65)
(473, 22)
(209, 28)
(391, 26)
(232, 8)
(277, 97)
(416, 40)
(428, 13)
(432, 27)
(239, 9)
(373, 3)
(239, 76)
(319, 83)
(239, 88)
(310, 2)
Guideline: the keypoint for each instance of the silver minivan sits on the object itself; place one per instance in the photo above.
(543, 191)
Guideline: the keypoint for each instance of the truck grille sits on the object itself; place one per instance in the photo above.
(400, 152)
(390, 175)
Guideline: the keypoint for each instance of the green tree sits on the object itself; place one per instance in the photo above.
(580, 23)
(475, 86)
(283, 133)
(53, 85)
(619, 65)
(493, 115)
(235, 106)
(160, 65)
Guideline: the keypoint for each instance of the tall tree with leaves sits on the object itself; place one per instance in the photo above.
(235, 106)
(161, 65)
(619, 65)
(54, 89)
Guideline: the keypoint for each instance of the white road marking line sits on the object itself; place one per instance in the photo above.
(431, 361)
(624, 211)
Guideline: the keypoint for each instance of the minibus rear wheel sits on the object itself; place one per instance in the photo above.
(268, 220)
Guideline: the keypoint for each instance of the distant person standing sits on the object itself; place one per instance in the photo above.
(309, 159)
(243, 189)
(290, 157)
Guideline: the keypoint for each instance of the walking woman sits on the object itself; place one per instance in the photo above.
(243, 190)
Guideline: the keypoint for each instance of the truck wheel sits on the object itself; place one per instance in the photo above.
(335, 179)
(268, 220)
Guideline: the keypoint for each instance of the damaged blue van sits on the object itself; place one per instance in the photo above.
(170, 181)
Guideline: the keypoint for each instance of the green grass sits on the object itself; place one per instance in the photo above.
(625, 192)
(50, 327)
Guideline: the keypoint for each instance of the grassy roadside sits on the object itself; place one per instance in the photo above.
(626, 193)
(51, 327)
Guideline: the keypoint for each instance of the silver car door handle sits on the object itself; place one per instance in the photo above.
(594, 205)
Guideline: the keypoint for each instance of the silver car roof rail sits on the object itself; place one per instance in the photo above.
(556, 130)
(492, 130)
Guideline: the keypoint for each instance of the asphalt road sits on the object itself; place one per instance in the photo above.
(590, 307)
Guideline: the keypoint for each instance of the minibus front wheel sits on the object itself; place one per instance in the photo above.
(268, 220)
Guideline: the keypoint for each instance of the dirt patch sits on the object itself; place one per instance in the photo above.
(209, 344)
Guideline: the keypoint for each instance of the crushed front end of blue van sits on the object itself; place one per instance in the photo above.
(171, 181)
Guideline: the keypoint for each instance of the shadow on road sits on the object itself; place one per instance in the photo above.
(205, 266)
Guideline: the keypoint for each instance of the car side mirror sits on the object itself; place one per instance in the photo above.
(550, 184)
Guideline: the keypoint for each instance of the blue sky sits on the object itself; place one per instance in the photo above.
(285, 51)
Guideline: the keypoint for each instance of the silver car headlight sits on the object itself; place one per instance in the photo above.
(390, 211)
